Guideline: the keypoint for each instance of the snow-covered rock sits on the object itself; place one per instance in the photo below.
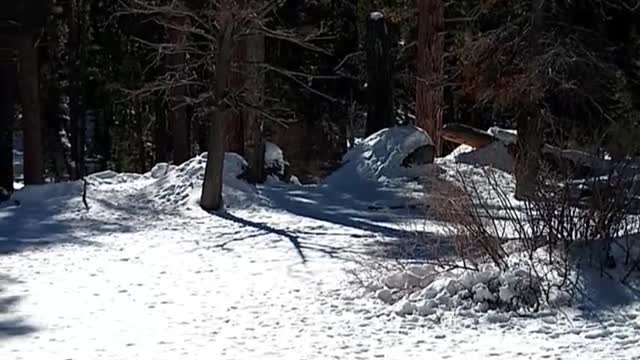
(274, 160)
(481, 293)
(380, 157)
(405, 308)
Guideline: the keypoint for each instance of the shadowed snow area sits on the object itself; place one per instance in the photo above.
(146, 274)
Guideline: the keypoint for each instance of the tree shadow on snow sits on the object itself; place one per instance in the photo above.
(262, 227)
(387, 218)
(11, 325)
(604, 295)
(417, 247)
(34, 226)
(320, 203)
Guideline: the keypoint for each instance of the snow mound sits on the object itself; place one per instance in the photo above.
(174, 186)
(380, 157)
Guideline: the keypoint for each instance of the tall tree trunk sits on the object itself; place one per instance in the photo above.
(139, 122)
(177, 115)
(32, 122)
(252, 123)
(55, 111)
(104, 131)
(211, 198)
(529, 123)
(54, 119)
(346, 27)
(7, 117)
(77, 46)
(233, 130)
(380, 112)
(430, 69)
(161, 134)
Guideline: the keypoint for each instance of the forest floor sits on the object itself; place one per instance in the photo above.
(144, 273)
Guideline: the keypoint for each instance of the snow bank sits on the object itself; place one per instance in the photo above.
(165, 187)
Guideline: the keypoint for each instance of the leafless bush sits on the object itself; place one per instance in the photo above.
(544, 232)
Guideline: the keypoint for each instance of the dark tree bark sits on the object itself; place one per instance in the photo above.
(233, 130)
(55, 147)
(28, 85)
(160, 136)
(55, 112)
(139, 121)
(430, 67)
(252, 122)
(211, 198)
(7, 102)
(76, 102)
(178, 121)
(346, 43)
(529, 123)
(104, 132)
(380, 112)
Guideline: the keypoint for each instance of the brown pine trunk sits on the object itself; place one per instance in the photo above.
(252, 122)
(32, 123)
(177, 114)
(529, 124)
(7, 102)
(211, 198)
(430, 69)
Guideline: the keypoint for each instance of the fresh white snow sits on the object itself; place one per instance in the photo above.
(146, 274)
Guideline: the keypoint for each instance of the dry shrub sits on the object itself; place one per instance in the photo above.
(545, 232)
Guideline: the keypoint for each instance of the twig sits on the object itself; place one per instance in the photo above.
(84, 193)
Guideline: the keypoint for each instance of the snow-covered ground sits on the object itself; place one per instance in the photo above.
(145, 274)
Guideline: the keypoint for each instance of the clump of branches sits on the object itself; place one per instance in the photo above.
(572, 64)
